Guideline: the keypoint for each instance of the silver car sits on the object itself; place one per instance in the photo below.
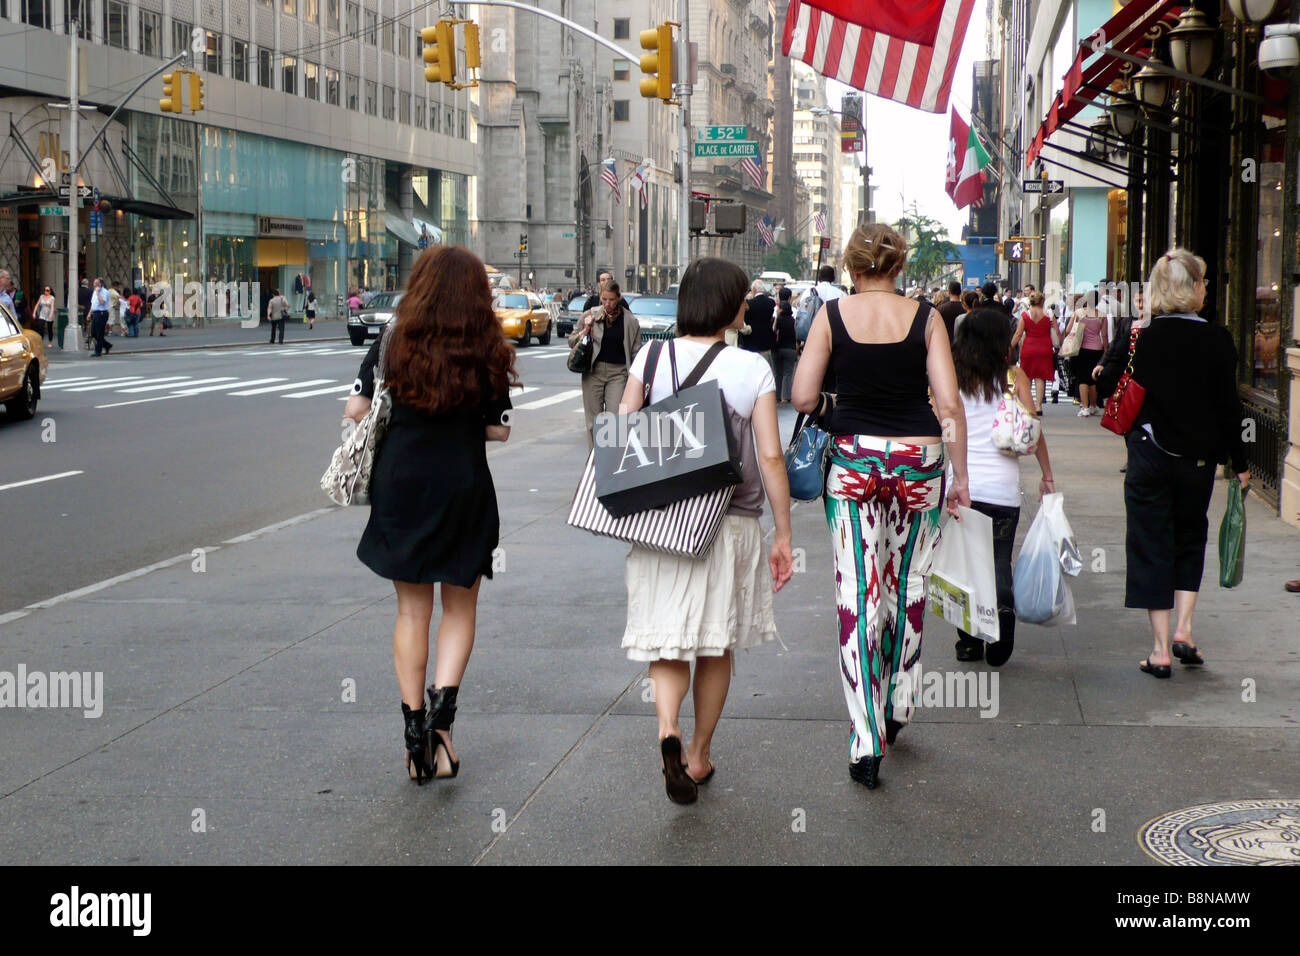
(368, 322)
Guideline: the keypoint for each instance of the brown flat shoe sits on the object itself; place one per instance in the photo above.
(1292, 586)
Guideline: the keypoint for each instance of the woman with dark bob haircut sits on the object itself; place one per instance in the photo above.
(681, 610)
(981, 356)
(433, 508)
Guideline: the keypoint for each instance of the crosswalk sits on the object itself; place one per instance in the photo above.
(143, 389)
(338, 348)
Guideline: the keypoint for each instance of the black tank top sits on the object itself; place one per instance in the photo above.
(881, 389)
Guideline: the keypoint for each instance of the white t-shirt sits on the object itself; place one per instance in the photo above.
(742, 375)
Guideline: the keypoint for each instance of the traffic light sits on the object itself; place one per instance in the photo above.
(439, 53)
(196, 92)
(729, 218)
(473, 57)
(699, 215)
(657, 66)
(1018, 249)
(523, 242)
(171, 101)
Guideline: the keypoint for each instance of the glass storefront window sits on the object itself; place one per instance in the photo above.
(1266, 337)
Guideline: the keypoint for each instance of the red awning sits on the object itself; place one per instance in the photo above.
(1094, 70)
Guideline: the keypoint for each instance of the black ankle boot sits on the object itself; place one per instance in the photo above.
(419, 762)
(866, 772)
(892, 727)
(442, 714)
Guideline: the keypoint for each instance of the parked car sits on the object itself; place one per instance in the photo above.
(570, 315)
(368, 322)
(655, 313)
(23, 365)
(522, 314)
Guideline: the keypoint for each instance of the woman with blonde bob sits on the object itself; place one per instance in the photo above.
(885, 477)
(1190, 422)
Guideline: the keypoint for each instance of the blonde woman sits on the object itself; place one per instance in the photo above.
(1037, 330)
(1190, 421)
(885, 479)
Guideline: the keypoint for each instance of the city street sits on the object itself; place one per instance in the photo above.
(250, 711)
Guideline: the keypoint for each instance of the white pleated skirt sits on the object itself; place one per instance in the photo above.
(679, 609)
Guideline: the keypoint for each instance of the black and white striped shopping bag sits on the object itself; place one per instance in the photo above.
(685, 529)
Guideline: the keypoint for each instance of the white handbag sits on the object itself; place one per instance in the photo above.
(1016, 430)
(347, 479)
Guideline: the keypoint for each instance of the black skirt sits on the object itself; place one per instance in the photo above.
(433, 507)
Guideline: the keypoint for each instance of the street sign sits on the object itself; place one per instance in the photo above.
(54, 210)
(566, 235)
(826, 242)
(82, 191)
(1049, 186)
(717, 134)
(95, 195)
(747, 147)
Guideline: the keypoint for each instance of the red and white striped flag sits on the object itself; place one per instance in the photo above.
(904, 50)
(609, 175)
(821, 222)
(754, 171)
(765, 234)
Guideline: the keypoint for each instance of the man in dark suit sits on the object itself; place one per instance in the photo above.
(760, 319)
(593, 300)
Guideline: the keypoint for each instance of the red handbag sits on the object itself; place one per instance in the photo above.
(1126, 401)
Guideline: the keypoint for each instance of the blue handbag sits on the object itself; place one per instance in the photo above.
(805, 459)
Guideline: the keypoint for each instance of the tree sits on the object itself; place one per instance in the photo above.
(928, 246)
(787, 256)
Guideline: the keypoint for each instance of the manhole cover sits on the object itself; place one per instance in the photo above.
(1246, 832)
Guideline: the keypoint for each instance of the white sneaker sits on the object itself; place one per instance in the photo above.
(1083, 413)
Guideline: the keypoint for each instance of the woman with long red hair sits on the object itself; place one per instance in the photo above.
(433, 509)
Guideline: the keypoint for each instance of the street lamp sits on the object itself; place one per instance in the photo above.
(1252, 12)
(1123, 117)
(1151, 85)
(1191, 43)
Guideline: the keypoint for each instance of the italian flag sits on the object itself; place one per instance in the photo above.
(966, 158)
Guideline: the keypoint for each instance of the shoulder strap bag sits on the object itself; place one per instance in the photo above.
(347, 479)
(1016, 430)
(582, 354)
(1125, 402)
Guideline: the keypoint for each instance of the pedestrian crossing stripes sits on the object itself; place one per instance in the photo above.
(142, 389)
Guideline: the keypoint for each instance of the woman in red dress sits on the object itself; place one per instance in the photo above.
(1038, 332)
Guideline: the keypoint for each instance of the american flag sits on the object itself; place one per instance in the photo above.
(609, 175)
(765, 236)
(821, 222)
(754, 170)
(904, 50)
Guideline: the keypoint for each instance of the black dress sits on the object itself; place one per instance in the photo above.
(433, 507)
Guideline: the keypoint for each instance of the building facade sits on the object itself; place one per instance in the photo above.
(736, 42)
(817, 164)
(321, 156)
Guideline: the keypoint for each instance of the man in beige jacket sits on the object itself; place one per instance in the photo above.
(615, 339)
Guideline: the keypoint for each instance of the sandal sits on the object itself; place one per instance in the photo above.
(1155, 670)
(707, 777)
(677, 782)
(1188, 655)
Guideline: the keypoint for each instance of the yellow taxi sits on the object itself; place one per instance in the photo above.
(23, 365)
(523, 315)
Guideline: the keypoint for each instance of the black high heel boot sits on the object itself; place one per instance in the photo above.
(419, 759)
(442, 714)
(866, 772)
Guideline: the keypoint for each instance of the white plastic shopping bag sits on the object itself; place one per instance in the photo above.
(1052, 511)
(1042, 593)
(962, 587)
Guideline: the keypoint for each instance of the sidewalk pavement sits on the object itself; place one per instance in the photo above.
(224, 335)
(227, 702)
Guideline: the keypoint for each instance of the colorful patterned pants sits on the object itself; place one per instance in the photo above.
(883, 504)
